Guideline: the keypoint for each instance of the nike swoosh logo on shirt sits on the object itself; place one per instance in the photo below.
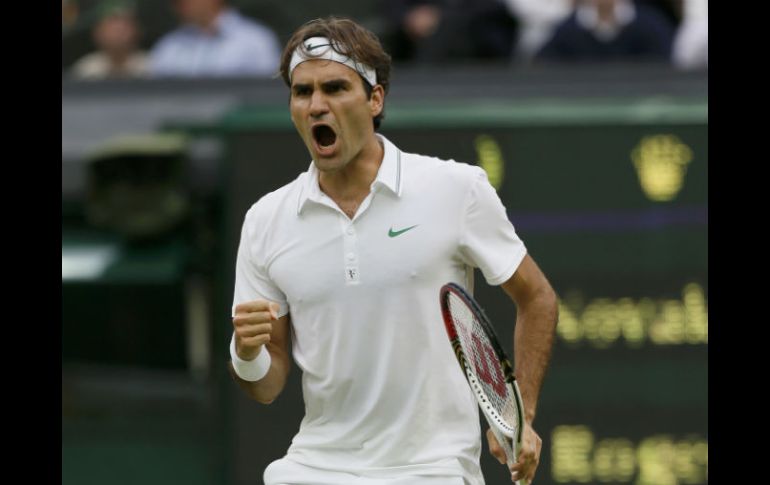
(393, 233)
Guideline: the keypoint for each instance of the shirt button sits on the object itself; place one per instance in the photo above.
(351, 256)
(350, 231)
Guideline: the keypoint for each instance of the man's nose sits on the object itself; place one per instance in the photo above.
(318, 105)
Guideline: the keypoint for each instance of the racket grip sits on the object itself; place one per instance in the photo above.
(520, 482)
(505, 442)
(510, 461)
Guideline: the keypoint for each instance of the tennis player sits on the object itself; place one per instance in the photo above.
(344, 265)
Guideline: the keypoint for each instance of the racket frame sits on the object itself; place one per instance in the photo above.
(503, 433)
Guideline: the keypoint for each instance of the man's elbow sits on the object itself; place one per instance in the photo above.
(261, 395)
(549, 301)
(550, 297)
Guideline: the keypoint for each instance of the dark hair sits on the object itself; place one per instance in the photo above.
(349, 39)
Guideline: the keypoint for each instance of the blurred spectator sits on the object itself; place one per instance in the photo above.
(671, 9)
(691, 46)
(69, 14)
(215, 40)
(116, 36)
(604, 30)
(429, 31)
(537, 21)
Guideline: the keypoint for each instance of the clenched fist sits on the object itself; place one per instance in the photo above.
(253, 324)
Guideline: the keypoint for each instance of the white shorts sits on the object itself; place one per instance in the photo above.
(289, 472)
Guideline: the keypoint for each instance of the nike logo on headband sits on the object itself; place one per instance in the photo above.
(329, 53)
(311, 47)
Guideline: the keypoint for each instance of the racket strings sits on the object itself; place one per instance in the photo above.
(482, 359)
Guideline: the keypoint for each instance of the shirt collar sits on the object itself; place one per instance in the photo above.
(389, 176)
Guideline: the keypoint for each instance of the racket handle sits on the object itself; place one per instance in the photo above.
(509, 451)
(511, 459)
(519, 482)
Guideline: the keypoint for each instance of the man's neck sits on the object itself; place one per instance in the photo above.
(353, 182)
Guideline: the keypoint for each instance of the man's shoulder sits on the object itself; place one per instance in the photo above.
(424, 167)
(280, 199)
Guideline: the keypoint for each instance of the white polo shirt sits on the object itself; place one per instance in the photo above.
(384, 396)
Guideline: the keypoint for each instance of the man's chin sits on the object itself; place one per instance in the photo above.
(327, 164)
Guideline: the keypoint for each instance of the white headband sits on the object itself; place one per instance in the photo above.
(321, 48)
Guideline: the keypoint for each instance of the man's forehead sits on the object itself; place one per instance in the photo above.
(320, 70)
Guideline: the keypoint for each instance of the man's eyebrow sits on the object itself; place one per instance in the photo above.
(332, 83)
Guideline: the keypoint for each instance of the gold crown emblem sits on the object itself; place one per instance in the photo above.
(661, 165)
(490, 158)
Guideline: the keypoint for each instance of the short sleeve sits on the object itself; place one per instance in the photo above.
(488, 240)
(251, 279)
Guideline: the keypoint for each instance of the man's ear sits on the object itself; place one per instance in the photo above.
(377, 100)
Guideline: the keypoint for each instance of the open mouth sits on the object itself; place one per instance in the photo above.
(324, 135)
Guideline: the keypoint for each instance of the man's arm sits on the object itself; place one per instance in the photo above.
(257, 330)
(537, 314)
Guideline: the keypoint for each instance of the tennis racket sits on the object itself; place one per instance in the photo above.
(486, 367)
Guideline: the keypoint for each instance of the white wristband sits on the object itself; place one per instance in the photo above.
(250, 370)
